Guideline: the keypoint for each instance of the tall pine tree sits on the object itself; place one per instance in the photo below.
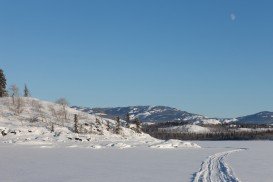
(26, 91)
(127, 119)
(76, 122)
(118, 127)
(3, 84)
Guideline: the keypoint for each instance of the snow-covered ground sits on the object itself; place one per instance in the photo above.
(248, 161)
(215, 168)
(253, 163)
(31, 151)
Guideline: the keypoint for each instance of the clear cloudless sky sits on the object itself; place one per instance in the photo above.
(212, 57)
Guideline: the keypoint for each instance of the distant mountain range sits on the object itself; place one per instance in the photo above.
(157, 114)
(264, 117)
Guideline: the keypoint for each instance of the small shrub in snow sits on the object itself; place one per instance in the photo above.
(34, 119)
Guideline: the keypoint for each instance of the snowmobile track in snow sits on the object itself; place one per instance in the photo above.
(215, 169)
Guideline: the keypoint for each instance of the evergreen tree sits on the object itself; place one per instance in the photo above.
(76, 122)
(52, 128)
(138, 125)
(3, 84)
(98, 121)
(26, 91)
(118, 128)
(108, 125)
(127, 119)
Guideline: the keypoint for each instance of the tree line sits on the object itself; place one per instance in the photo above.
(217, 132)
(13, 91)
(231, 135)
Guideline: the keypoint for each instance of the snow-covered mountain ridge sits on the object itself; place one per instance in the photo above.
(264, 117)
(151, 114)
(160, 114)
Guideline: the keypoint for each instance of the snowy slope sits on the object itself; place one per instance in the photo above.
(31, 122)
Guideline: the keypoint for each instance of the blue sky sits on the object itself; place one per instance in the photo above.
(212, 57)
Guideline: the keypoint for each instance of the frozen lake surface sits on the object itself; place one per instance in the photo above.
(39, 163)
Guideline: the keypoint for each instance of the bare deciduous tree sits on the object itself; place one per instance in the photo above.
(17, 105)
(38, 114)
(55, 113)
(37, 107)
(64, 103)
(14, 90)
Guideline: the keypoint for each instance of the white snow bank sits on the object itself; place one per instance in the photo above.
(119, 145)
(171, 144)
(96, 147)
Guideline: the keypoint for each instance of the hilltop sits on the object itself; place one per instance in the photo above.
(35, 122)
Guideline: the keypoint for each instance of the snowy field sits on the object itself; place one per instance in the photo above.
(63, 163)
(31, 149)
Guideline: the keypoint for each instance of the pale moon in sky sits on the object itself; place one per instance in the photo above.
(232, 16)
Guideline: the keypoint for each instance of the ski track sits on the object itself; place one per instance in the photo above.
(215, 169)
